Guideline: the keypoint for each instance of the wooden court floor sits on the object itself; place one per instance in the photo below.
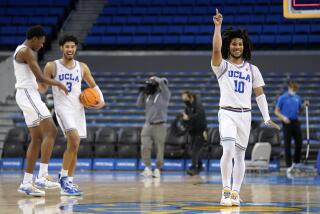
(175, 192)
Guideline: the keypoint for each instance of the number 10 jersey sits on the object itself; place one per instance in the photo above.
(236, 83)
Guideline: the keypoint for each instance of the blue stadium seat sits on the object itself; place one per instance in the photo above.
(108, 40)
(315, 28)
(111, 29)
(175, 29)
(302, 28)
(104, 20)
(155, 40)
(299, 39)
(123, 40)
(93, 40)
(171, 39)
(254, 29)
(191, 29)
(180, 20)
(267, 39)
(98, 30)
(195, 19)
(255, 39)
(283, 39)
(186, 39)
(244, 19)
(202, 40)
(19, 20)
(257, 18)
(139, 10)
(119, 20)
(270, 29)
(139, 40)
(315, 39)
(143, 29)
(286, 29)
(206, 29)
(159, 29)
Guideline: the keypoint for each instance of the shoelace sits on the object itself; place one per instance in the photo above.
(235, 196)
(33, 189)
(226, 194)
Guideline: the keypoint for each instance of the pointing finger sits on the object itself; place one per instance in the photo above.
(217, 11)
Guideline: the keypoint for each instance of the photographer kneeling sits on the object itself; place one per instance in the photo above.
(155, 98)
(194, 117)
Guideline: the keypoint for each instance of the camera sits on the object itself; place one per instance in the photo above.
(151, 87)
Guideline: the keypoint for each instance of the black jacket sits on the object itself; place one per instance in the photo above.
(197, 117)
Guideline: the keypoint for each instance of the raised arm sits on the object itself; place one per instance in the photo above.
(217, 40)
(27, 55)
(163, 85)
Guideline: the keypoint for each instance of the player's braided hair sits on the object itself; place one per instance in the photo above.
(230, 34)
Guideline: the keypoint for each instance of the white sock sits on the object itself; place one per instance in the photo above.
(27, 178)
(70, 178)
(43, 171)
(238, 169)
(64, 173)
(226, 162)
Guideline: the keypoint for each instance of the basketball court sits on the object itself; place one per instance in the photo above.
(175, 192)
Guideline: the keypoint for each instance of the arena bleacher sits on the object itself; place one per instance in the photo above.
(17, 16)
(175, 24)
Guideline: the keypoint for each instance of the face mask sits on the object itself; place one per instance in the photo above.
(291, 92)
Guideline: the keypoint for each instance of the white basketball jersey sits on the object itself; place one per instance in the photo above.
(71, 78)
(24, 76)
(236, 83)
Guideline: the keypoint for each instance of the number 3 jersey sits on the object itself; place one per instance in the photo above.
(236, 83)
(71, 78)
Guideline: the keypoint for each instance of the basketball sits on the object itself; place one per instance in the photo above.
(89, 97)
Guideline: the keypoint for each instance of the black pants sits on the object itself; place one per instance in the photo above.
(292, 130)
(196, 143)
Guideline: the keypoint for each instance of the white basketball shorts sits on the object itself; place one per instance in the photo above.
(235, 126)
(33, 108)
(72, 119)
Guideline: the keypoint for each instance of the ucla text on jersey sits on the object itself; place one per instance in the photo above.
(239, 75)
(69, 76)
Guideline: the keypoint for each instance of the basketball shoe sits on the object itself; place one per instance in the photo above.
(29, 189)
(46, 182)
(156, 173)
(147, 172)
(225, 198)
(235, 198)
(67, 187)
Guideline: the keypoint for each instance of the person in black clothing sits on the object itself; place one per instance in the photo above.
(195, 119)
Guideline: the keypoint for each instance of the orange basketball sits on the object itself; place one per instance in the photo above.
(89, 97)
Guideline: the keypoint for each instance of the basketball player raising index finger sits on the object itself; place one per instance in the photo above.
(69, 110)
(236, 77)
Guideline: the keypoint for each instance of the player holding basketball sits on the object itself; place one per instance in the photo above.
(69, 110)
(236, 78)
(37, 116)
